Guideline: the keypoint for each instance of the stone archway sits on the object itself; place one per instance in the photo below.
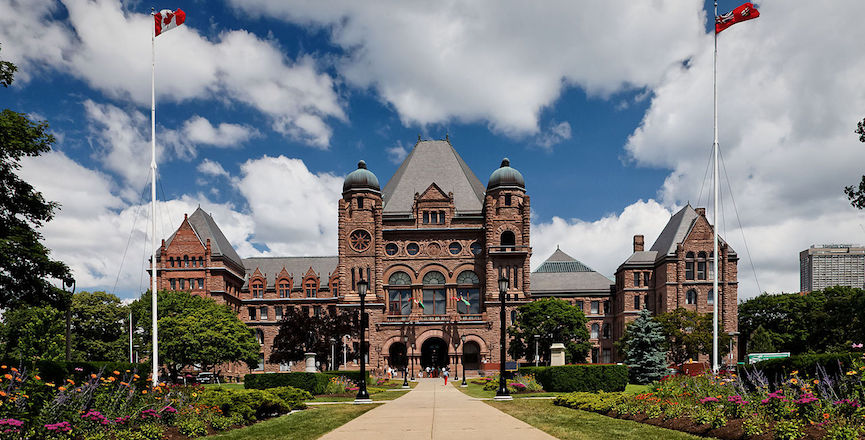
(434, 353)
(398, 357)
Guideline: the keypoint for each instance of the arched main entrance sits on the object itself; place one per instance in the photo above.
(472, 356)
(434, 353)
(398, 358)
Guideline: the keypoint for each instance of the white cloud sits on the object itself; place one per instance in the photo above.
(556, 134)
(494, 61)
(397, 154)
(212, 168)
(787, 110)
(199, 130)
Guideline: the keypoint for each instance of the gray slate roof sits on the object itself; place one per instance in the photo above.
(205, 228)
(675, 231)
(562, 273)
(295, 266)
(433, 162)
(642, 257)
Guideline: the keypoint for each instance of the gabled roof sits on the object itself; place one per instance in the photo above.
(433, 162)
(562, 274)
(675, 231)
(205, 228)
(297, 267)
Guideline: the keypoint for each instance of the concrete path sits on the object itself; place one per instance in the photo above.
(437, 412)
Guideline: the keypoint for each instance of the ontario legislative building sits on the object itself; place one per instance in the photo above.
(432, 245)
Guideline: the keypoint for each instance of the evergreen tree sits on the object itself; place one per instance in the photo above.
(762, 341)
(644, 344)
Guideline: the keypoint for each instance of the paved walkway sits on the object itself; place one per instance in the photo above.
(435, 411)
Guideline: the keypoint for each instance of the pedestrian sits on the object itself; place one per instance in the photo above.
(428, 370)
(445, 374)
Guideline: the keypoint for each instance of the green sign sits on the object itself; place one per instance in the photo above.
(753, 358)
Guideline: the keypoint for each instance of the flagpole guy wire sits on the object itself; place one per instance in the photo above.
(153, 295)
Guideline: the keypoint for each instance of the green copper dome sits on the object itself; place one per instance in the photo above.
(505, 177)
(361, 178)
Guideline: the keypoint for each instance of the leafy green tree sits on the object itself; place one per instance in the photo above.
(300, 333)
(99, 327)
(857, 195)
(762, 341)
(25, 265)
(689, 334)
(643, 345)
(194, 330)
(31, 333)
(554, 320)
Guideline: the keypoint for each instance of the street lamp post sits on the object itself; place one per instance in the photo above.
(345, 350)
(412, 361)
(502, 393)
(732, 335)
(537, 339)
(405, 367)
(362, 395)
(464, 384)
(333, 353)
(69, 282)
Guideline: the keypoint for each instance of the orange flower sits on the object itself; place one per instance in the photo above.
(61, 388)
(37, 377)
(116, 372)
(825, 416)
(794, 381)
(3, 367)
(111, 379)
(14, 369)
(49, 384)
(127, 371)
(8, 376)
(3, 393)
(136, 376)
(93, 375)
(72, 382)
(143, 391)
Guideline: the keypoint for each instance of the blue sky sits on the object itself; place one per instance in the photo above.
(265, 105)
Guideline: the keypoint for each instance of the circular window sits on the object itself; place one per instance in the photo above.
(433, 249)
(412, 248)
(477, 248)
(455, 248)
(360, 240)
(391, 249)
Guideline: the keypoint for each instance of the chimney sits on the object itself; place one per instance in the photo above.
(638, 243)
(700, 211)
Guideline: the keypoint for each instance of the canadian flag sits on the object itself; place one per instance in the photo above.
(167, 20)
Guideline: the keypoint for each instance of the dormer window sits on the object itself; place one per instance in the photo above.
(257, 289)
(433, 217)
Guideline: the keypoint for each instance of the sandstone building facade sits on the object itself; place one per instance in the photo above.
(432, 244)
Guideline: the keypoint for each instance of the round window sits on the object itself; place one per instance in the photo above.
(360, 240)
(412, 248)
(455, 248)
(391, 249)
(477, 248)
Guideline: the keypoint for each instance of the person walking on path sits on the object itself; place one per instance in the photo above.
(445, 374)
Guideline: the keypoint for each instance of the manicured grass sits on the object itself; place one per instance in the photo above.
(377, 397)
(475, 390)
(571, 424)
(225, 386)
(307, 424)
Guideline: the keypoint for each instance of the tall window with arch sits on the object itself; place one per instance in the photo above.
(691, 297)
(689, 266)
(186, 261)
(284, 288)
(259, 336)
(468, 292)
(257, 289)
(701, 265)
(508, 239)
(712, 265)
(710, 298)
(434, 298)
(310, 287)
(399, 294)
(596, 329)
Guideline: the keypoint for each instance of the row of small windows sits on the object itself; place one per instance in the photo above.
(433, 217)
(310, 288)
(642, 279)
(691, 297)
(186, 261)
(413, 248)
(261, 313)
(594, 307)
(184, 284)
(702, 268)
(434, 297)
(596, 329)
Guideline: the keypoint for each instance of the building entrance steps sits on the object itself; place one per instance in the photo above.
(436, 411)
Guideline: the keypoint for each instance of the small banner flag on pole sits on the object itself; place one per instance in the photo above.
(166, 20)
(419, 303)
(743, 13)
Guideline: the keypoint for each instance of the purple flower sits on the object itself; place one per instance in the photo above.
(169, 409)
(60, 427)
(855, 345)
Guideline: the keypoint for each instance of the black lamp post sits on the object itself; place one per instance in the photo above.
(537, 339)
(362, 395)
(464, 384)
(412, 361)
(405, 367)
(67, 283)
(502, 393)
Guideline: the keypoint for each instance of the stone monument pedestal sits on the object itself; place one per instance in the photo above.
(557, 356)
(310, 363)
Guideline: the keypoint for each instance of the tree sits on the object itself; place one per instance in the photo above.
(643, 344)
(689, 334)
(554, 320)
(857, 195)
(32, 333)
(25, 265)
(98, 330)
(300, 333)
(195, 331)
(762, 341)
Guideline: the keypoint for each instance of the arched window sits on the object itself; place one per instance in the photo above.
(701, 266)
(689, 266)
(606, 331)
(595, 330)
(310, 287)
(513, 317)
(171, 262)
(185, 261)
(399, 294)
(284, 288)
(710, 297)
(434, 298)
(508, 239)
(257, 289)
(200, 261)
(711, 264)
(259, 336)
(691, 297)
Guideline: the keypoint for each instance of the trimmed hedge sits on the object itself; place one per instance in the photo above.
(314, 383)
(586, 378)
(778, 370)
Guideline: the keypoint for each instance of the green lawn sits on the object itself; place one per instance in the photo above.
(376, 397)
(307, 424)
(227, 386)
(475, 390)
(571, 424)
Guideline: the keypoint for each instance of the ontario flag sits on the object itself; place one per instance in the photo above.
(167, 20)
(738, 15)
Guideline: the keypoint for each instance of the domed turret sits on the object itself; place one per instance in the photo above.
(506, 177)
(361, 178)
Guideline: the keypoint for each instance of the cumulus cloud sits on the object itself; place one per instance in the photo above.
(211, 168)
(199, 130)
(397, 154)
(556, 134)
(111, 57)
(500, 62)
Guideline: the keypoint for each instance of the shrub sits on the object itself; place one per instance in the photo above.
(221, 423)
(152, 431)
(788, 430)
(314, 383)
(192, 427)
(292, 396)
(588, 378)
(249, 405)
(353, 376)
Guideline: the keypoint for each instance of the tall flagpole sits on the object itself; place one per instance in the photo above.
(155, 372)
(716, 295)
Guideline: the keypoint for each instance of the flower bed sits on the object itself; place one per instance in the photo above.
(112, 405)
(520, 384)
(728, 407)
